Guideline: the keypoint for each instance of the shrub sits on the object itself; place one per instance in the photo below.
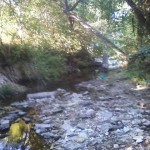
(139, 64)
(14, 53)
(6, 92)
(48, 65)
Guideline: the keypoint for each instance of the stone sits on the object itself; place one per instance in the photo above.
(104, 115)
(80, 138)
(21, 113)
(39, 128)
(147, 123)
(56, 111)
(20, 104)
(50, 135)
(138, 139)
(81, 126)
(85, 103)
(27, 119)
(70, 145)
(90, 113)
(85, 93)
(126, 129)
(106, 98)
(4, 124)
(116, 146)
(41, 95)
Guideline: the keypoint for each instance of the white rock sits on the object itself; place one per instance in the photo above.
(138, 139)
(126, 129)
(116, 146)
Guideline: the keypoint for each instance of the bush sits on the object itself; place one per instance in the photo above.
(48, 65)
(139, 64)
(6, 92)
(14, 53)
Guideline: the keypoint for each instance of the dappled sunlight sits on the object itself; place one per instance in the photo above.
(140, 87)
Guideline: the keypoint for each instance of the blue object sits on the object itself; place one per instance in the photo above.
(102, 77)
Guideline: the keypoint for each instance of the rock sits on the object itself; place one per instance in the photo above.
(60, 92)
(104, 115)
(4, 124)
(70, 145)
(81, 126)
(90, 113)
(56, 111)
(138, 139)
(85, 93)
(51, 136)
(116, 146)
(126, 129)
(85, 103)
(21, 113)
(106, 98)
(42, 126)
(27, 119)
(41, 95)
(116, 127)
(20, 104)
(147, 123)
(80, 138)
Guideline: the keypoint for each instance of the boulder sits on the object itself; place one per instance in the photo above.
(41, 95)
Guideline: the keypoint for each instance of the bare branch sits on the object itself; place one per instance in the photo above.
(75, 5)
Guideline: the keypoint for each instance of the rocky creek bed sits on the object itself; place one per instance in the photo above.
(101, 115)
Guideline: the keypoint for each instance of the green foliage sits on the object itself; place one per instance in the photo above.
(49, 65)
(139, 64)
(14, 53)
(6, 92)
(83, 58)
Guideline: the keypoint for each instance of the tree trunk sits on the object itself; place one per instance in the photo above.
(118, 51)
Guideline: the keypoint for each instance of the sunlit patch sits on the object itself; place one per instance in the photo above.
(139, 87)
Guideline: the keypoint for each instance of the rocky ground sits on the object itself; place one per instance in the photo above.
(113, 114)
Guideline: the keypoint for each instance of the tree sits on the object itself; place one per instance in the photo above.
(142, 12)
(72, 17)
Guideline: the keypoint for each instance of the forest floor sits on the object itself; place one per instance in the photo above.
(113, 114)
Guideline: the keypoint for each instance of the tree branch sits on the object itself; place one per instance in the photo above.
(75, 5)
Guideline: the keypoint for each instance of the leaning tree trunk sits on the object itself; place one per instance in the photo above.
(72, 17)
(86, 26)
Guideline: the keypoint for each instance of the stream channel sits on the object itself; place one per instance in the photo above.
(16, 132)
